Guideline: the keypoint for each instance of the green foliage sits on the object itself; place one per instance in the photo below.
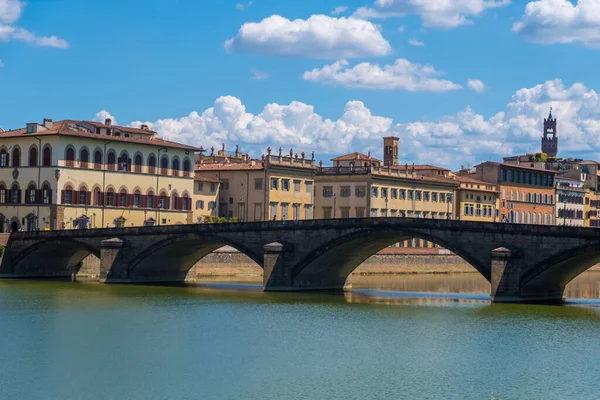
(234, 219)
(1, 250)
(540, 157)
(222, 220)
(208, 219)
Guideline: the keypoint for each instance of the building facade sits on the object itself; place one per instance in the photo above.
(592, 209)
(84, 174)
(277, 187)
(206, 199)
(477, 200)
(526, 194)
(570, 202)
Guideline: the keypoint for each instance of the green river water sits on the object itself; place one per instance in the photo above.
(401, 337)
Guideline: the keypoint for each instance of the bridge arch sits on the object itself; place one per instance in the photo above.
(329, 265)
(170, 259)
(51, 258)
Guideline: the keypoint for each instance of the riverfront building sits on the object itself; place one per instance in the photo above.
(570, 202)
(526, 194)
(277, 187)
(206, 199)
(78, 174)
(477, 200)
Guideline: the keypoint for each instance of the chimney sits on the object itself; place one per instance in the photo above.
(144, 127)
(108, 122)
(48, 123)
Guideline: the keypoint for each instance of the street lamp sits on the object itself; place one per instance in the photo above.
(334, 204)
(241, 211)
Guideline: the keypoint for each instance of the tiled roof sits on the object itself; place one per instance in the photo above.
(121, 128)
(419, 167)
(199, 178)
(518, 166)
(355, 156)
(229, 167)
(62, 128)
(466, 179)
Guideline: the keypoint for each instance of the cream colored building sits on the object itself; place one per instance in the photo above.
(206, 199)
(357, 186)
(277, 187)
(83, 174)
(477, 200)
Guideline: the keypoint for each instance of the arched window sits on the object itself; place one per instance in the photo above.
(528, 217)
(540, 218)
(164, 200)
(97, 159)
(550, 219)
(150, 202)
(46, 194)
(110, 197)
(98, 200)
(67, 195)
(138, 163)
(70, 156)
(124, 162)
(112, 161)
(186, 167)
(522, 217)
(16, 155)
(84, 158)
(3, 194)
(137, 198)
(3, 158)
(175, 202)
(186, 203)
(534, 218)
(31, 195)
(83, 196)
(175, 167)
(15, 194)
(511, 216)
(33, 157)
(47, 156)
(151, 164)
(164, 165)
(516, 220)
(123, 198)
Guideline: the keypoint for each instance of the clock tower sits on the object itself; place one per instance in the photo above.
(550, 138)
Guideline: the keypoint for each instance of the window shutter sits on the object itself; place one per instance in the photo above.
(168, 203)
(49, 196)
(143, 201)
(18, 196)
(75, 197)
(88, 198)
(130, 200)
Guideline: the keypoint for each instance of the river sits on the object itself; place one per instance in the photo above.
(400, 337)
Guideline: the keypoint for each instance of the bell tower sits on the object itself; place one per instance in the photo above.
(550, 138)
(390, 151)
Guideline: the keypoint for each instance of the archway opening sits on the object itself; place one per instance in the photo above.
(225, 264)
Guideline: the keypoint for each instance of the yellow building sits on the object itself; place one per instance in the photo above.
(206, 199)
(276, 187)
(80, 174)
(477, 200)
(358, 186)
(591, 209)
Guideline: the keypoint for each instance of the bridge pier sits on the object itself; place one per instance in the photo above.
(277, 275)
(111, 261)
(507, 272)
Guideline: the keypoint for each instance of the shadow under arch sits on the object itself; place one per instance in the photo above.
(552, 274)
(170, 259)
(329, 266)
(51, 259)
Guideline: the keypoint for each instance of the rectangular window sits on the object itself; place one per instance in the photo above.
(200, 186)
(425, 196)
(285, 185)
(478, 210)
(442, 197)
(274, 184)
(394, 193)
(327, 191)
(274, 211)
(402, 194)
(418, 195)
(296, 207)
(297, 185)
(309, 186)
(258, 184)
(374, 191)
(466, 210)
(284, 211)
(327, 212)
(345, 212)
(225, 184)
(360, 191)
(308, 211)
(449, 197)
(345, 191)
(360, 212)
(411, 194)
(384, 193)
(478, 199)
(213, 187)
(373, 212)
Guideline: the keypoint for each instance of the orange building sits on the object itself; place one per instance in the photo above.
(526, 194)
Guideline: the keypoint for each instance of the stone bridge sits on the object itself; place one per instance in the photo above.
(524, 263)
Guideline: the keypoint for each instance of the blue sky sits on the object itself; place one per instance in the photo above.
(296, 74)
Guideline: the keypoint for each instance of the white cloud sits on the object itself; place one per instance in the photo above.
(10, 10)
(561, 21)
(101, 116)
(401, 28)
(443, 14)
(462, 138)
(240, 6)
(415, 42)
(402, 75)
(260, 75)
(339, 10)
(477, 85)
(319, 36)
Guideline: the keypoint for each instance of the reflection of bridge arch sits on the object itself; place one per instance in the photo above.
(58, 258)
(330, 264)
(172, 258)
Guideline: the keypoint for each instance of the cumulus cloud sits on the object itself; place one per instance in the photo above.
(10, 12)
(259, 75)
(476, 85)
(416, 43)
(101, 116)
(339, 10)
(464, 138)
(433, 13)
(402, 75)
(319, 36)
(561, 21)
